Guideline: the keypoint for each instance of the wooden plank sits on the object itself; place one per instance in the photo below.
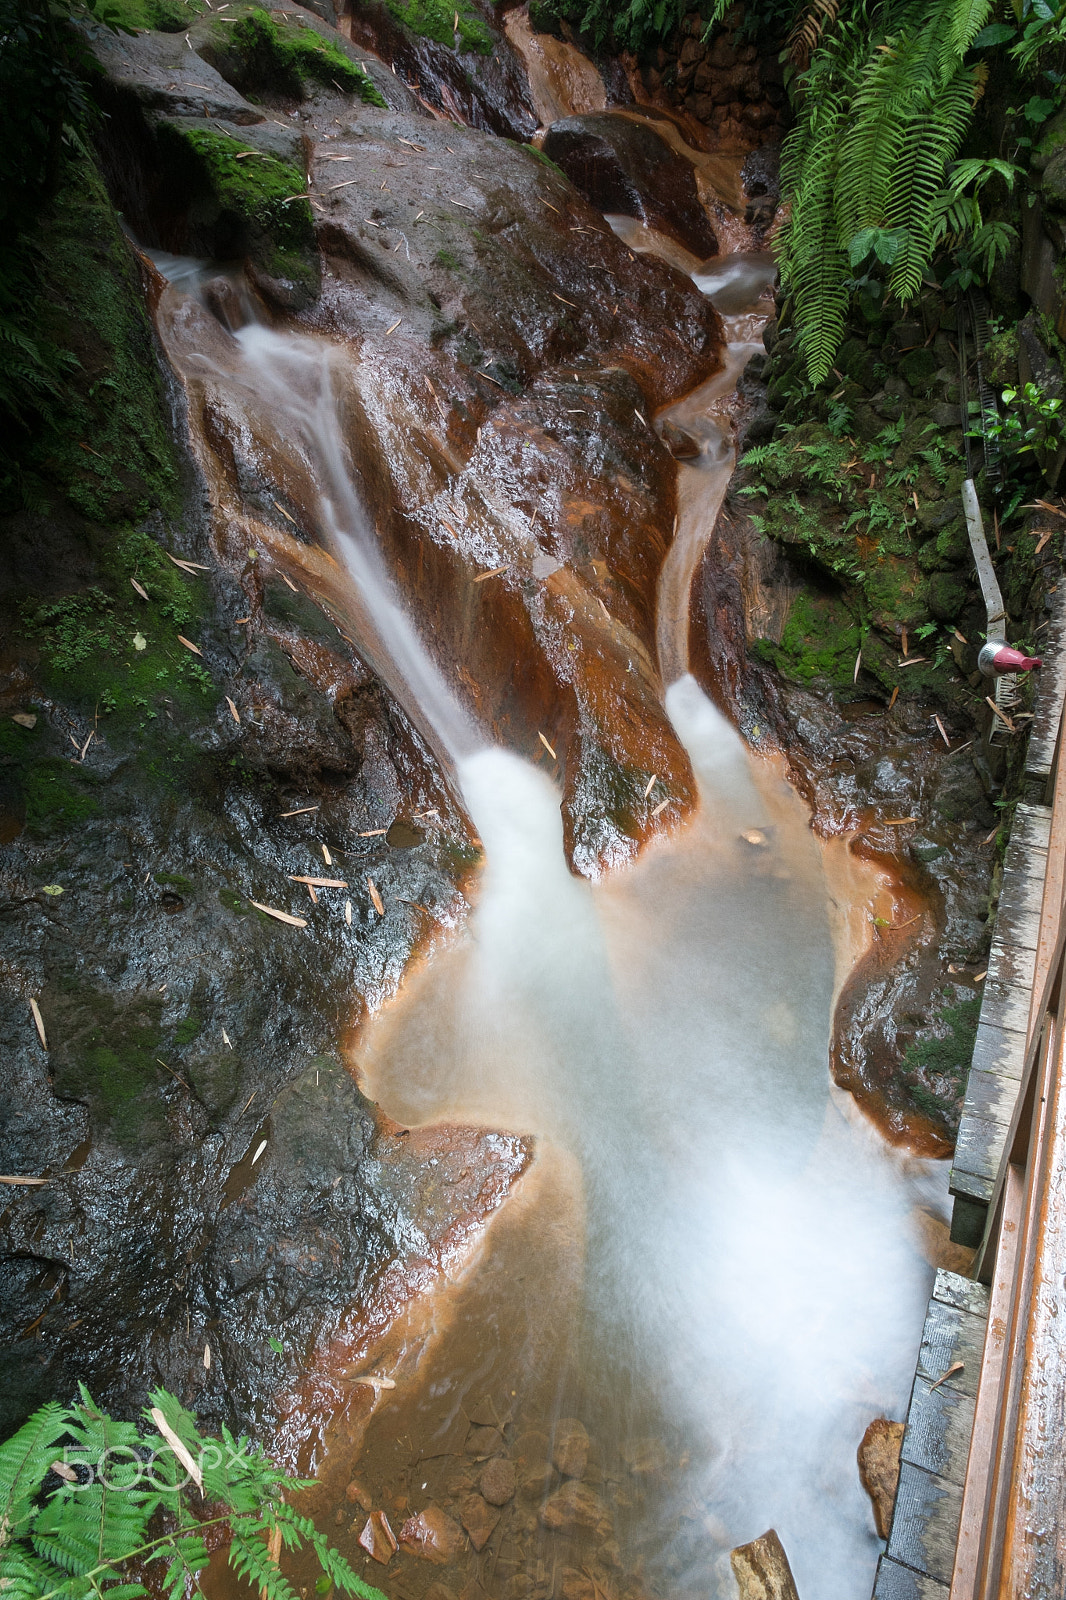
(951, 1336)
(978, 1487)
(996, 1050)
(952, 1289)
(1030, 828)
(970, 1185)
(1035, 1524)
(894, 1582)
(1021, 893)
(1019, 924)
(990, 1096)
(1050, 697)
(1006, 1006)
(925, 1523)
(978, 1150)
(939, 1424)
(1011, 963)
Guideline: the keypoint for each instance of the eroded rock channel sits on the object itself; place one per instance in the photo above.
(381, 851)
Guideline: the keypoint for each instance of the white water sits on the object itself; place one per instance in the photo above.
(748, 1261)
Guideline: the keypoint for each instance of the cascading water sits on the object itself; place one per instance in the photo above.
(746, 1295)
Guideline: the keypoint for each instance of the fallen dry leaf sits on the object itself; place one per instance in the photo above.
(895, 696)
(140, 589)
(547, 746)
(943, 735)
(372, 833)
(195, 648)
(25, 719)
(259, 1151)
(327, 858)
(234, 713)
(395, 325)
(175, 1443)
(33, 1183)
(38, 1021)
(320, 883)
(493, 574)
(378, 904)
(652, 781)
(299, 812)
(348, 912)
(282, 916)
(661, 806)
(956, 1366)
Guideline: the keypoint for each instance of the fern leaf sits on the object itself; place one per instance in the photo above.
(251, 1560)
(962, 23)
(24, 1462)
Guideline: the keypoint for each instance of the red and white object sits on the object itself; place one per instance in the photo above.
(997, 657)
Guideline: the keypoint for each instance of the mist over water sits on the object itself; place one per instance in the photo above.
(749, 1277)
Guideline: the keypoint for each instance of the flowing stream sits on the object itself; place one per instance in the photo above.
(709, 1270)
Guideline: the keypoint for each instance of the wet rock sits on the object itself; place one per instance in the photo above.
(620, 164)
(570, 1447)
(575, 1585)
(357, 1495)
(497, 1482)
(534, 1482)
(378, 1539)
(879, 1455)
(645, 1457)
(762, 1571)
(483, 1441)
(481, 83)
(433, 1535)
(478, 1518)
(573, 1508)
(681, 445)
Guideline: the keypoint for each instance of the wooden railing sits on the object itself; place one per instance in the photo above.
(1012, 1534)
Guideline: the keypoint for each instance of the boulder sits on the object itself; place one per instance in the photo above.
(762, 1571)
(497, 1482)
(621, 164)
(570, 1449)
(575, 1507)
(879, 1468)
(433, 1535)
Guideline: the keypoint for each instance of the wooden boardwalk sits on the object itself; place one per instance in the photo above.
(980, 1512)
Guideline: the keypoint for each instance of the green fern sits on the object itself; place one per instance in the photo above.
(883, 109)
(79, 1491)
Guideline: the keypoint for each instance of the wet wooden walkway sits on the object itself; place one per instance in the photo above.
(981, 1508)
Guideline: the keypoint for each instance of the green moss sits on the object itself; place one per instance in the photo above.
(108, 1057)
(234, 902)
(166, 16)
(935, 1069)
(919, 367)
(256, 193)
(188, 1029)
(88, 640)
(435, 19)
(446, 258)
(174, 880)
(545, 161)
(285, 56)
(105, 442)
(55, 798)
(820, 640)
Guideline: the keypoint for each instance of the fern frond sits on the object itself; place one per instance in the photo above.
(808, 29)
(962, 22)
(932, 140)
(25, 1459)
(251, 1560)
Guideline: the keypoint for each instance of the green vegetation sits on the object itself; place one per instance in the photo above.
(934, 1069)
(98, 431)
(284, 56)
(88, 641)
(258, 192)
(435, 19)
(871, 166)
(820, 640)
(55, 797)
(167, 16)
(73, 1530)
